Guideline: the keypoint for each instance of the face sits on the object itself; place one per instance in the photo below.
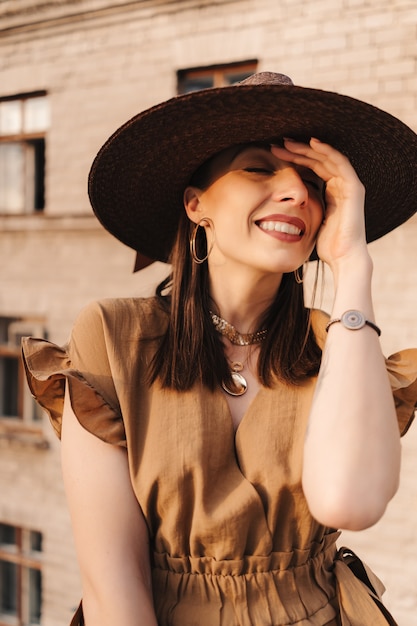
(266, 212)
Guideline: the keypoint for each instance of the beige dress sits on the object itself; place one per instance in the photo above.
(233, 541)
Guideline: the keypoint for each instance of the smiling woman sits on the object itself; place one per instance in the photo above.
(234, 433)
(255, 189)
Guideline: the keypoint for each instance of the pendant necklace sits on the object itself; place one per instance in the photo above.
(238, 339)
(240, 382)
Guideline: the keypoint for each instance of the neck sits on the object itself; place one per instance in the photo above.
(242, 301)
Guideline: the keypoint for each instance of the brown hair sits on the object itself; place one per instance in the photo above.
(191, 349)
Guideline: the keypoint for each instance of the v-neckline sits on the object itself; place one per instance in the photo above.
(244, 418)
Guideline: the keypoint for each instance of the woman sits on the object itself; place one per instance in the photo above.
(210, 448)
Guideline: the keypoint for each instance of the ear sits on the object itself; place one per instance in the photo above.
(192, 205)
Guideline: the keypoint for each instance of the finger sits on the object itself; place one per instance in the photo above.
(317, 150)
(337, 157)
(308, 158)
(300, 153)
(293, 148)
(287, 154)
(315, 155)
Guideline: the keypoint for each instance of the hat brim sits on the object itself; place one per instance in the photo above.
(137, 180)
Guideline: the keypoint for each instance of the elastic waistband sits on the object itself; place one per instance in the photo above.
(325, 551)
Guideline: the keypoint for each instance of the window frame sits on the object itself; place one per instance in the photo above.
(33, 143)
(25, 558)
(218, 72)
(28, 412)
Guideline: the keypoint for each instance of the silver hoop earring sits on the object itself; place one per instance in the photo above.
(193, 244)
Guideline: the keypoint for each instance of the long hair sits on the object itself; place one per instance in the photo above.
(192, 351)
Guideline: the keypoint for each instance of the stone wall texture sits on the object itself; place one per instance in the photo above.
(102, 61)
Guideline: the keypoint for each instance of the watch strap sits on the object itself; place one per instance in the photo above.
(353, 320)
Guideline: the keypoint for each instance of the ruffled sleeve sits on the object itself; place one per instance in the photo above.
(85, 364)
(402, 371)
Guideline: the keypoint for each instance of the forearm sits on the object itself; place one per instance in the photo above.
(352, 449)
(129, 603)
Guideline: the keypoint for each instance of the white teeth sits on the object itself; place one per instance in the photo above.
(282, 227)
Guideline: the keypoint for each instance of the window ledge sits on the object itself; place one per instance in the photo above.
(15, 434)
(46, 222)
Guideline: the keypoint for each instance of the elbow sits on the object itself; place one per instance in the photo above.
(353, 497)
(349, 509)
(347, 517)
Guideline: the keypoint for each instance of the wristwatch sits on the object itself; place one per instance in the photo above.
(353, 320)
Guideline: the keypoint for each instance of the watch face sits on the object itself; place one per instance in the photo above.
(353, 320)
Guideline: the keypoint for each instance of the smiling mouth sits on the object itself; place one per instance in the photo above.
(280, 227)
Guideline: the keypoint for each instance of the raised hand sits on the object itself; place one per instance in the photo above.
(343, 231)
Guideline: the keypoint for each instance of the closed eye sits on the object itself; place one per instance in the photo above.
(258, 170)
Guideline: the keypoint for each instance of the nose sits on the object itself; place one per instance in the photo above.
(289, 187)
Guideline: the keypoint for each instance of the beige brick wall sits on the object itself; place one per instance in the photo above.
(102, 61)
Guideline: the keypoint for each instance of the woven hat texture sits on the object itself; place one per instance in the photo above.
(137, 179)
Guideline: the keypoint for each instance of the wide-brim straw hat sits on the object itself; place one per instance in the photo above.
(137, 180)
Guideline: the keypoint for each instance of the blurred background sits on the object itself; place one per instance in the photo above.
(71, 72)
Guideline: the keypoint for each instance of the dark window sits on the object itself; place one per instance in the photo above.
(195, 79)
(20, 576)
(16, 401)
(23, 125)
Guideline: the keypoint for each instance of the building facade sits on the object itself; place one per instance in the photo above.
(71, 71)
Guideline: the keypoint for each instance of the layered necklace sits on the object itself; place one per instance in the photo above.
(233, 335)
(238, 339)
